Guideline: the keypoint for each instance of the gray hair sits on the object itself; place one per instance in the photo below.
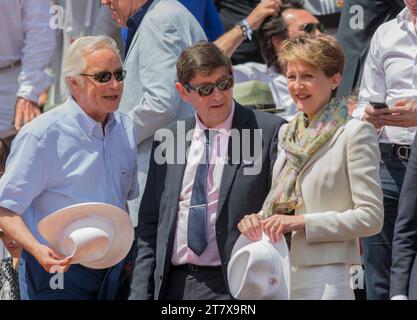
(74, 61)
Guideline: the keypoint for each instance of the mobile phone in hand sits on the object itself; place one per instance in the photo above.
(378, 104)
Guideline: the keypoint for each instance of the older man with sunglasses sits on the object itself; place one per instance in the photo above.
(191, 206)
(82, 151)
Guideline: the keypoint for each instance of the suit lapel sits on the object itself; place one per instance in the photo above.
(240, 117)
(175, 174)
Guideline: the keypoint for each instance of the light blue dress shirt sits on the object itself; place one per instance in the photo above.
(63, 158)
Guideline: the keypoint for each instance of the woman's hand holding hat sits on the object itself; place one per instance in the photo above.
(278, 224)
(251, 227)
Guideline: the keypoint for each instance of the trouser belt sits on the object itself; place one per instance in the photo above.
(400, 151)
(188, 267)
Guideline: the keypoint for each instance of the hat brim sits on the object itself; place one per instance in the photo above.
(51, 226)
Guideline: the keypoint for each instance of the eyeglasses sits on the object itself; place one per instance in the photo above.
(311, 27)
(207, 89)
(105, 76)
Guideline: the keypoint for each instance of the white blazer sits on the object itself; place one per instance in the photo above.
(343, 201)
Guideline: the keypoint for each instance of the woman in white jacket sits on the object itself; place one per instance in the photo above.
(326, 187)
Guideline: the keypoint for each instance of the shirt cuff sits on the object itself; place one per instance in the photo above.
(399, 297)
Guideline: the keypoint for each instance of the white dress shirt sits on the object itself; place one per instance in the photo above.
(218, 156)
(25, 35)
(390, 72)
(277, 83)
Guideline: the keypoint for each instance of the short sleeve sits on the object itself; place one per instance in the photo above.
(26, 175)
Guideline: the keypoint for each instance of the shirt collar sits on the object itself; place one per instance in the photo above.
(404, 16)
(223, 128)
(134, 21)
(406, 21)
(87, 124)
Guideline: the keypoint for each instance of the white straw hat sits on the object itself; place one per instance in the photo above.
(96, 235)
(259, 270)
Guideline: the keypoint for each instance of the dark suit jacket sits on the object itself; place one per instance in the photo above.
(239, 195)
(404, 248)
(356, 42)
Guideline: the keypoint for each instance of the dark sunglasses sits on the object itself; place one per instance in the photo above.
(105, 76)
(207, 89)
(311, 27)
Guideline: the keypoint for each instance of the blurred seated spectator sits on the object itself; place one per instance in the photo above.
(327, 11)
(292, 21)
(231, 12)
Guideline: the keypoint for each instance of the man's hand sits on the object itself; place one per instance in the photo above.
(43, 98)
(372, 116)
(402, 114)
(263, 10)
(279, 224)
(251, 227)
(26, 111)
(51, 260)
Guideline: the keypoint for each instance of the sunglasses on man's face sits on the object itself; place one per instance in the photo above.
(105, 76)
(311, 27)
(207, 89)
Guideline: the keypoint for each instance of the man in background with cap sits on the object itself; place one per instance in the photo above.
(214, 168)
(67, 156)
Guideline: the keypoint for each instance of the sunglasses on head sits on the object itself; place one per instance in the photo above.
(311, 27)
(105, 76)
(207, 89)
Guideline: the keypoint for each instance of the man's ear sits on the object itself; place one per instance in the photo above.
(182, 91)
(74, 84)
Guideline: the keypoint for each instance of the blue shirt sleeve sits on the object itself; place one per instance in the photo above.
(25, 175)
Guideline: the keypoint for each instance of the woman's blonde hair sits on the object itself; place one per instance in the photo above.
(321, 52)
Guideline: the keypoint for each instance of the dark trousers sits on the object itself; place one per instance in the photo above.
(377, 249)
(203, 284)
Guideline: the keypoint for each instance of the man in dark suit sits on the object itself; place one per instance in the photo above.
(356, 41)
(192, 204)
(403, 279)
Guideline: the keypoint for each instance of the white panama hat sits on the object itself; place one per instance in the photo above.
(96, 235)
(259, 270)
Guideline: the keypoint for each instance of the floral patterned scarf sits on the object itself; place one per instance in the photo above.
(300, 141)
